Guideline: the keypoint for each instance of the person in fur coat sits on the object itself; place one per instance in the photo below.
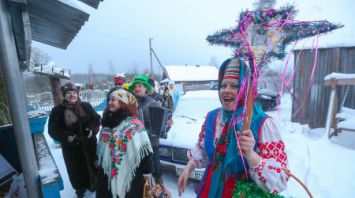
(124, 150)
(75, 124)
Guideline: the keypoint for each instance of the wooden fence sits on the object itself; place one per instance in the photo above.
(310, 106)
(44, 101)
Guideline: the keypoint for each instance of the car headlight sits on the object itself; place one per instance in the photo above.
(266, 97)
(165, 152)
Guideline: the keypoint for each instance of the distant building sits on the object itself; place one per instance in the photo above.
(192, 77)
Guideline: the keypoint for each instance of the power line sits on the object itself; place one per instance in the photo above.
(181, 44)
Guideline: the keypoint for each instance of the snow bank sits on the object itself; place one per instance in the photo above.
(324, 166)
(348, 117)
(46, 165)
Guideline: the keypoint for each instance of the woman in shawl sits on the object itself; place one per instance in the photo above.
(124, 150)
(262, 158)
(75, 124)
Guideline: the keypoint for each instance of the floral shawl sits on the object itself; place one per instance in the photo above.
(120, 151)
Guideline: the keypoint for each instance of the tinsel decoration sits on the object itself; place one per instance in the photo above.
(259, 36)
(277, 29)
(251, 190)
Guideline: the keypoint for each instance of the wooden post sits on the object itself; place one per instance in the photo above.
(56, 93)
(330, 113)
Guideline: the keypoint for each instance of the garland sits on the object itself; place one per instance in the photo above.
(251, 190)
(282, 30)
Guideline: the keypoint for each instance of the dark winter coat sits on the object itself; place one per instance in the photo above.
(155, 96)
(167, 101)
(112, 120)
(144, 102)
(80, 155)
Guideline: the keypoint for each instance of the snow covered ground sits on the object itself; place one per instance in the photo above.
(326, 167)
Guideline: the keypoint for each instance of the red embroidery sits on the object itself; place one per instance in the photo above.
(194, 161)
(278, 170)
(201, 136)
(274, 150)
(259, 168)
(262, 179)
(274, 191)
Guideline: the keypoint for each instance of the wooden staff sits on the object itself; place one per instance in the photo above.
(249, 104)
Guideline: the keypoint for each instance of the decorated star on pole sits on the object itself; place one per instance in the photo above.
(265, 32)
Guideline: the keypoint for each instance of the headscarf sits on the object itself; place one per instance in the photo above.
(127, 99)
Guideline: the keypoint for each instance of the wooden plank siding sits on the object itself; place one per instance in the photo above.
(312, 108)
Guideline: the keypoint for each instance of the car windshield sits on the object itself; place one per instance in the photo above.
(196, 108)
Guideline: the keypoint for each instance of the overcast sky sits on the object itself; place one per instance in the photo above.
(115, 39)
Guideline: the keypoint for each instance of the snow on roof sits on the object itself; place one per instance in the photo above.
(339, 76)
(192, 73)
(78, 5)
(201, 94)
(51, 69)
(332, 40)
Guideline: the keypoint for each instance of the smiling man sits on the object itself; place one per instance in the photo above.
(140, 87)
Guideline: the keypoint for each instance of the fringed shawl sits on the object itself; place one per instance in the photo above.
(120, 151)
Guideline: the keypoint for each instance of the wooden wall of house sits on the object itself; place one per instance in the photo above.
(310, 107)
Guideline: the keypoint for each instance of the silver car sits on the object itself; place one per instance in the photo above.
(188, 118)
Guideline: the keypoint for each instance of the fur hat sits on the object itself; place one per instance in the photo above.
(140, 79)
(69, 87)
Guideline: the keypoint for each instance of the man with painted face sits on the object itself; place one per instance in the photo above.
(140, 87)
(263, 149)
(119, 81)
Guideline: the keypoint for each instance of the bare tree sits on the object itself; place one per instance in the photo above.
(213, 61)
(38, 58)
(37, 83)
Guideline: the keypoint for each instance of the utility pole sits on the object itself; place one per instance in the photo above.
(152, 52)
(151, 56)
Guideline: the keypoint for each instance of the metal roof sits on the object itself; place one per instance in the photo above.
(51, 22)
(54, 23)
(92, 3)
